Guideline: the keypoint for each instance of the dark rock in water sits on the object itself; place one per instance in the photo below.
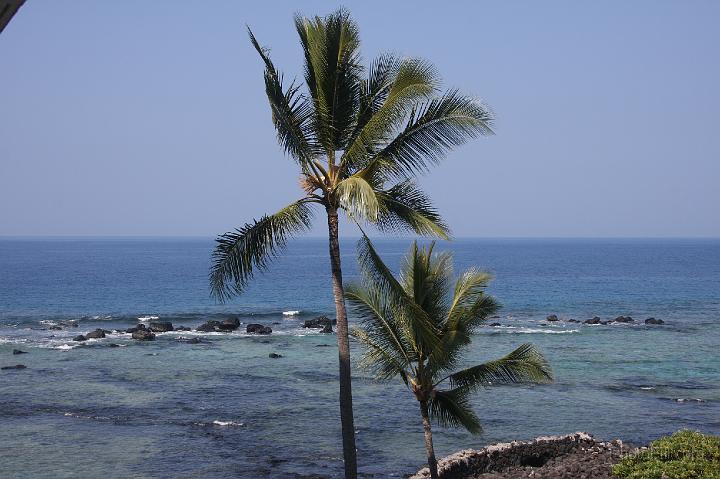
(258, 329)
(654, 321)
(275, 355)
(323, 345)
(230, 324)
(79, 337)
(595, 320)
(209, 326)
(97, 334)
(319, 322)
(139, 327)
(327, 329)
(493, 325)
(573, 321)
(55, 327)
(113, 345)
(161, 326)
(190, 340)
(18, 351)
(624, 319)
(182, 328)
(17, 366)
(552, 317)
(143, 335)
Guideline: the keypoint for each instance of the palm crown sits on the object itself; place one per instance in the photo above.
(416, 327)
(358, 136)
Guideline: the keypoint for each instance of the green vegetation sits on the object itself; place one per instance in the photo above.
(358, 137)
(683, 455)
(416, 327)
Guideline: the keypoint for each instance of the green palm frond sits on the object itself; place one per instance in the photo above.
(426, 277)
(292, 113)
(404, 207)
(414, 81)
(452, 408)
(379, 360)
(470, 305)
(358, 198)
(522, 366)
(376, 316)
(432, 130)
(332, 72)
(374, 89)
(238, 254)
(419, 329)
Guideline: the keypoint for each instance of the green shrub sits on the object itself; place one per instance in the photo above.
(683, 455)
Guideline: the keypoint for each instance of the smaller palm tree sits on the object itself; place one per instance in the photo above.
(417, 325)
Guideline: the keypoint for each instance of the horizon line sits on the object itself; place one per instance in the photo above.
(461, 237)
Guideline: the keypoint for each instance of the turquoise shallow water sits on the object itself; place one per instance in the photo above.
(222, 408)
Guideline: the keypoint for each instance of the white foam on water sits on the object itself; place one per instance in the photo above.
(543, 331)
(291, 313)
(647, 388)
(64, 347)
(148, 318)
(227, 423)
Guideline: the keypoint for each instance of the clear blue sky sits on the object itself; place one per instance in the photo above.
(149, 117)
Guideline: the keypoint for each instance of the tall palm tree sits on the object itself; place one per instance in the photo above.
(416, 327)
(358, 137)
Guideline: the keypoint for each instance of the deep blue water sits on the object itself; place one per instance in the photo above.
(222, 408)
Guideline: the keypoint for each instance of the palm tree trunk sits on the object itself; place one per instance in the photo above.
(346, 408)
(432, 462)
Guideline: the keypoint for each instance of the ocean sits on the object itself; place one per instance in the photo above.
(223, 408)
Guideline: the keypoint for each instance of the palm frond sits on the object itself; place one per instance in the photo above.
(452, 408)
(291, 112)
(238, 254)
(376, 316)
(332, 72)
(357, 197)
(377, 359)
(522, 366)
(432, 130)
(426, 276)
(420, 332)
(405, 207)
(413, 81)
(470, 306)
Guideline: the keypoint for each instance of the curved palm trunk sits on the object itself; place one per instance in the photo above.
(432, 462)
(346, 408)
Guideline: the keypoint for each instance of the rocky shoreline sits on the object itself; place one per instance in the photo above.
(574, 456)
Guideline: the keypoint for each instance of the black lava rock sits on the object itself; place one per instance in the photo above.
(275, 355)
(17, 351)
(209, 327)
(654, 321)
(17, 366)
(161, 326)
(79, 337)
(97, 334)
(552, 317)
(143, 335)
(258, 329)
(230, 324)
(319, 322)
